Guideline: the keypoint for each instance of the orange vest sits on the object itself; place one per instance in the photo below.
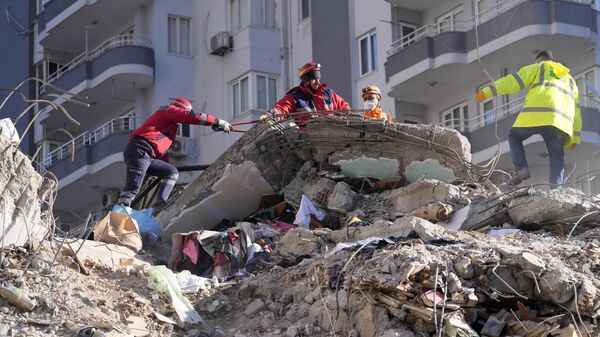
(378, 113)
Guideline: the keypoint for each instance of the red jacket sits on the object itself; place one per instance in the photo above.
(160, 129)
(301, 99)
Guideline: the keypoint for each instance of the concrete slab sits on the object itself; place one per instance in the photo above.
(428, 169)
(236, 195)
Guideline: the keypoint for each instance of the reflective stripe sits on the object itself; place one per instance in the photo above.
(203, 118)
(576, 133)
(542, 72)
(519, 80)
(493, 89)
(553, 110)
(554, 85)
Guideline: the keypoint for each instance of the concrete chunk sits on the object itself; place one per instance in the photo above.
(421, 193)
(341, 197)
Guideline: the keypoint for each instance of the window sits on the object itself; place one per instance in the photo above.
(447, 21)
(401, 30)
(368, 53)
(586, 81)
(263, 13)
(179, 35)
(240, 96)
(239, 14)
(304, 9)
(266, 92)
(456, 117)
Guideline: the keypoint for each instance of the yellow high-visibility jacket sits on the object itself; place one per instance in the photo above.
(552, 99)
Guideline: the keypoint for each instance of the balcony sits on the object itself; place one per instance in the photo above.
(506, 34)
(63, 23)
(481, 130)
(108, 75)
(86, 142)
(98, 164)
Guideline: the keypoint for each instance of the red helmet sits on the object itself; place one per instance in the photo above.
(182, 103)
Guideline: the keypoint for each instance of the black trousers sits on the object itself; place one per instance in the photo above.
(137, 157)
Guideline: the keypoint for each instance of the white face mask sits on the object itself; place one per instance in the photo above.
(370, 105)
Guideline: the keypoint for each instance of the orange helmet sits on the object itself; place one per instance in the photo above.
(309, 68)
(370, 90)
(182, 103)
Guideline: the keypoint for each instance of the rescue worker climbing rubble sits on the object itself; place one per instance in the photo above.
(371, 96)
(147, 149)
(311, 95)
(551, 110)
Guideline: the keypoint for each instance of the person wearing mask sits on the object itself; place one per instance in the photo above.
(311, 95)
(146, 151)
(371, 96)
(551, 110)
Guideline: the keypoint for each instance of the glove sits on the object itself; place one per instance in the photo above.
(222, 125)
(480, 96)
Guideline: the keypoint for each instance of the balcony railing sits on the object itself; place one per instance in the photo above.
(453, 25)
(89, 55)
(116, 125)
(469, 125)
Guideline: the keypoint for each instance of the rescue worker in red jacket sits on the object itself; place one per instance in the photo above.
(147, 149)
(311, 95)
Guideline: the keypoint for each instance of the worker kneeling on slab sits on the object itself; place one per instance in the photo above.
(147, 149)
(371, 96)
(551, 110)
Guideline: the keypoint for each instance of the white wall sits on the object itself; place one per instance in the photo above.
(301, 41)
(372, 16)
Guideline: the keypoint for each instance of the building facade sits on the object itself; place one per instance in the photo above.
(443, 52)
(236, 58)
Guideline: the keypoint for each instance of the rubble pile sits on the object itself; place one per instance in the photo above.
(345, 228)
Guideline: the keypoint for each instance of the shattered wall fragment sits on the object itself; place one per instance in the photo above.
(23, 212)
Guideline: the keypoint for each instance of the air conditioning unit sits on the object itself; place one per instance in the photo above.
(110, 197)
(221, 43)
(182, 147)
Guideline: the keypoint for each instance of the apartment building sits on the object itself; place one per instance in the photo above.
(236, 58)
(126, 58)
(443, 49)
(17, 27)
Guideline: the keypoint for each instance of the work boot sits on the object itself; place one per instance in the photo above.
(520, 176)
(158, 207)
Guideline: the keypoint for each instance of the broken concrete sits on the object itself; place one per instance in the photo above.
(25, 193)
(236, 195)
(341, 197)
(428, 169)
(541, 208)
(273, 149)
(422, 193)
(383, 229)
(365, 167)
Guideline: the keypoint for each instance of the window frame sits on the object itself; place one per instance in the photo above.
(301, 17)
(178, 37)
(268, 94)
(372, 62)
(584, 101)
(450, 17)
(242, 21)
(462, 124)
(232, 85)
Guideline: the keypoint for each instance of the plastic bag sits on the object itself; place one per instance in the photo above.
(148, 226)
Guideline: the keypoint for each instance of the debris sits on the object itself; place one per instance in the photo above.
(163, 280)
(422, 193)
(433, 212)
(305, 211)
(428, 169)
(364, 167)
(8, 131)
(254, 307)
(18, 297)
(117, 228)
(137, 326)
(341, 198)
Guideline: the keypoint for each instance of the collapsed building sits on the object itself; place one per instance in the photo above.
(344, 227)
